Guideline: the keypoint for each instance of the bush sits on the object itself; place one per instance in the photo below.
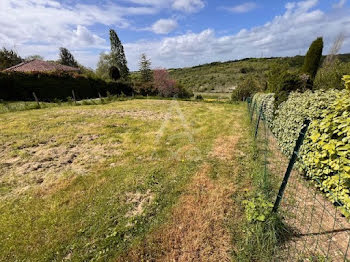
(326, 151)
(331, 77)
(245, 90)
(145, 88)
(199, 97)
(346, 80)
(267, 101)
(48, 87)
(182, 92)
(290, 115)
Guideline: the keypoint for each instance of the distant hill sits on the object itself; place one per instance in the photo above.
(223, 76)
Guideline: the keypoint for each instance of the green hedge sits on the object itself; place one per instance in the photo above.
(47, 87)
(326, 151)
(267, 101)
(325, 154)
(290, 115)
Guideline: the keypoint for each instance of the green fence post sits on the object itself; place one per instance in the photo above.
(291, 164)
(252, 112)
(258, 122)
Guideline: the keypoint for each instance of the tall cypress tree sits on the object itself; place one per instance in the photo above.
(313, 58)
(145, 69)
(118, 58)
(66, 58)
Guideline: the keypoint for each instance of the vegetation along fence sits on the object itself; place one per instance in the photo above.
(311, 199)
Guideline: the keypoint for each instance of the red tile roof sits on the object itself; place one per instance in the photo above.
(40, 66)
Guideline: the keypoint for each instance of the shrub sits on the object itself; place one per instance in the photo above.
(346, 80)
(164, 85)
(289, 82)
(199, 97)
(245, 90)
(330, 77)
(168, 87)
(182, 92)
(145, 88)
(267, 101)
(291, 114)
(326, 151)
(114, 73)
(313, 58)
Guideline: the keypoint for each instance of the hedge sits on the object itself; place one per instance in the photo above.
(291, 114)
(325, 154)
(267, 102)
(326, 151)
(47, 87)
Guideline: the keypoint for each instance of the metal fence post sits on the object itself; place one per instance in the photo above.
(252, 112)
(291, 164)
(258, 122)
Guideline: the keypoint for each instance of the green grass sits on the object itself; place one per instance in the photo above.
(84, 209)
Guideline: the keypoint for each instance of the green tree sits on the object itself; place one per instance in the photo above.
(145, 69)
(34, 57)
(114, 73)
(66, 58)
(118, 58)
(103, 66)
(313, 58)
(9, 58)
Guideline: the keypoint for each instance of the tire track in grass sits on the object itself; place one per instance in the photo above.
(197, 230)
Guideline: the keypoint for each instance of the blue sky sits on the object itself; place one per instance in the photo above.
(173, 33)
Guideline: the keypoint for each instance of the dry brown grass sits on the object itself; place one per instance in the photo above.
(198, 226)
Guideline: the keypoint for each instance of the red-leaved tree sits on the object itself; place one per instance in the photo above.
(163, 83)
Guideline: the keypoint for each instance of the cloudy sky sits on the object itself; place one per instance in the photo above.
(173, 33)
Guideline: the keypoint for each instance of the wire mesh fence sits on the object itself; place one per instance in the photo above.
(316, 228)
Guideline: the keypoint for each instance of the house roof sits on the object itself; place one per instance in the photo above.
(40, 66)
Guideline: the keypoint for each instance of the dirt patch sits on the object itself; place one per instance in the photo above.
(43, 163)
(225, 147)
(139, 202)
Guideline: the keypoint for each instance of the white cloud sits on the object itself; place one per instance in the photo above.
(83, 37)
(41, 26)
(243, 8)
(340, 4)
(286, 35)
(164, 26)
(189, 6)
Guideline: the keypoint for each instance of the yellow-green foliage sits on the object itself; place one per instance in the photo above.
(267, 101)
(327, 151)
(291, 114)
(346, 79)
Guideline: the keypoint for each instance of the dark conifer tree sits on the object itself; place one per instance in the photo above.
(66, 58)
(118, 58)
(313, 58)
(145, 69)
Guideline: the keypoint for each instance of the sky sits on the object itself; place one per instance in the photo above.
(172, 33)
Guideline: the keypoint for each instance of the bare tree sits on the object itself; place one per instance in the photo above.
(337, 45)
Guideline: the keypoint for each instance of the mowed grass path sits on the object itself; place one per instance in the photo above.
(95, 182)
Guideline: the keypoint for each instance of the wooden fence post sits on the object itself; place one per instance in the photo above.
(36, 99)
(75, 101)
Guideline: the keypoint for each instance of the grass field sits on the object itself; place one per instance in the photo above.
(128, 181)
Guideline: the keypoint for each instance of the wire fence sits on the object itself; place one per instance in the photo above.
(316, 228)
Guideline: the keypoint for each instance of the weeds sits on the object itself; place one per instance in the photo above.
(260, 231)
